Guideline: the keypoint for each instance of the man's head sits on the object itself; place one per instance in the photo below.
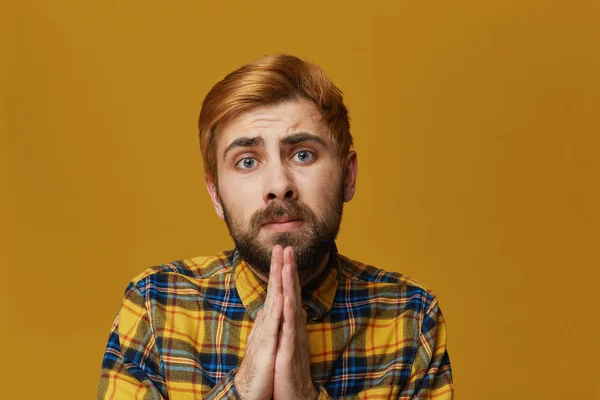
(276, 144)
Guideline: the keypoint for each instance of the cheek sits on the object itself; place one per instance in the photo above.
(239, 198)
(318, 191)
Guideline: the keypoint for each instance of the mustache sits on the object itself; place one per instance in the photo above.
(292, 209)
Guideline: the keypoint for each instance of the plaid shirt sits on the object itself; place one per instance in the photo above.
(183, 327)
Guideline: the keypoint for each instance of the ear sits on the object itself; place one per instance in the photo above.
(214, 196)
(351, 164)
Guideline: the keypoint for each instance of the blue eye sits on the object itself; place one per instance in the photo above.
(246, 163)
(304, 156)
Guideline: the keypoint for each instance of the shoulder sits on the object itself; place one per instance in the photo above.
(197, 269)
(386, 284)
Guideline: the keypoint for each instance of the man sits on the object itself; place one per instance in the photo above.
(283, 315)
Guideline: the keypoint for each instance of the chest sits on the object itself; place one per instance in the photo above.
(200, 345)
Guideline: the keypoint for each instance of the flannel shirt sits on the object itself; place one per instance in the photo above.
(182, 329)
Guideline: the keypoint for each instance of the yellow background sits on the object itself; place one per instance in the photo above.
(477, 128)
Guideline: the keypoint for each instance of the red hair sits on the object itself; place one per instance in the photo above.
(271, 80)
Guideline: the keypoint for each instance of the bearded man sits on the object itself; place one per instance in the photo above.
(283, 315)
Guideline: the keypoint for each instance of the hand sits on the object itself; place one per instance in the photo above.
(254, 378)
(292, 363)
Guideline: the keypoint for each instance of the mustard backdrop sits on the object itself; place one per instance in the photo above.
(477, 128)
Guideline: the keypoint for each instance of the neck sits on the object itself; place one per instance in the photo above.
(305, 277)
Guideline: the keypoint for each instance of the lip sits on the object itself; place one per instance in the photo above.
(282, 224)
(281, 220)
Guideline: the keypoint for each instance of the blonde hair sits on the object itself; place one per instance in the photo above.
(271, 80)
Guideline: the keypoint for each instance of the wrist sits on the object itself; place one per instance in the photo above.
(239, 386)
(313, 392)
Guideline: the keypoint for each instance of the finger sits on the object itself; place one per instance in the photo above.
(274, 284)
(289, 286)
(287, 339)
(292, 280)
(272, 322)
(300, 312)
(254, 331)
(296, 275)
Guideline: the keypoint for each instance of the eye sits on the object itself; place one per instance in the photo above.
(246, 163)
(304, 156)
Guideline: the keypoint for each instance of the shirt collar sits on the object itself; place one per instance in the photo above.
(317, 297)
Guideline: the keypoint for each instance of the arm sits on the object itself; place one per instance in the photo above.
(132, 367)
(431, 376)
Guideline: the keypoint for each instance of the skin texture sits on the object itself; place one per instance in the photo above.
(264, 178)
(279, 177)
(292, 377)
(277, 361)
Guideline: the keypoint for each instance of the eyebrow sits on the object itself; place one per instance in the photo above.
(303, 137)
(243, 142)
(259, 141)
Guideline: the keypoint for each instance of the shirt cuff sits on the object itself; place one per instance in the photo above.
(224, 389)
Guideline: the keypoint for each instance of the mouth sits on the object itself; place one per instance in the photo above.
(282, 224)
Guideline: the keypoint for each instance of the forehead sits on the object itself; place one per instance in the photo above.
(274, 122)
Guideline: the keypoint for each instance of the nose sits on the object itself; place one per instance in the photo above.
(279, 184)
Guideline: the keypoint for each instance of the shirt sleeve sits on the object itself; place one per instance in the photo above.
(224, 389)
(132, 367)
(431, 375)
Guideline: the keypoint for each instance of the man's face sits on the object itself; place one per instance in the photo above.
(280, 181)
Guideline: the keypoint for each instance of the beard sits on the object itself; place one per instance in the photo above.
(311, 242)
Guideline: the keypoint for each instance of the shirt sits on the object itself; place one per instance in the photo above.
(182, 329)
